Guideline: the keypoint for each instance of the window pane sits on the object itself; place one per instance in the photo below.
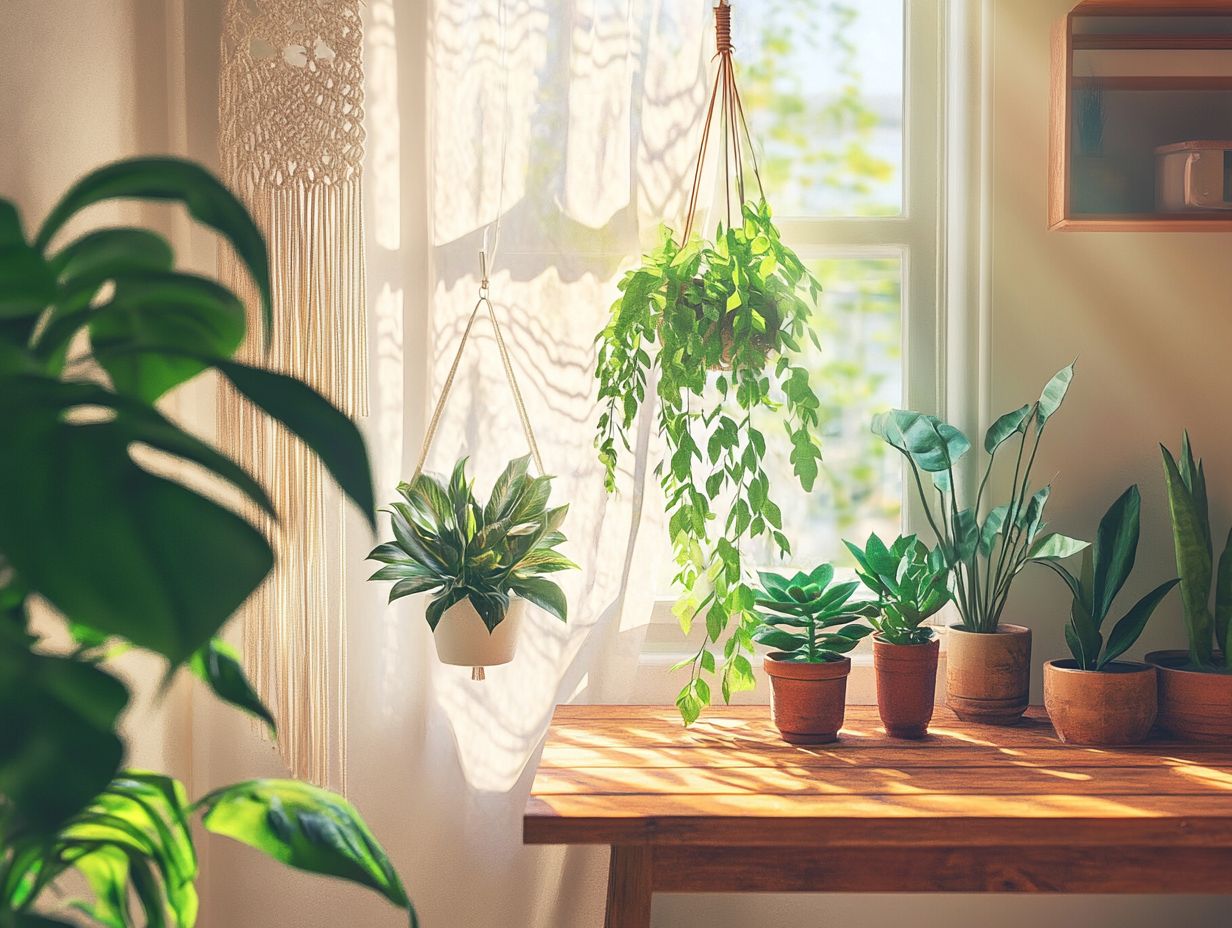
(822, 84)
(857, 374)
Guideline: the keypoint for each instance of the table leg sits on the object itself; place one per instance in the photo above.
(629, 887)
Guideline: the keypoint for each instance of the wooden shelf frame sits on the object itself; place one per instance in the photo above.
(1064, 43)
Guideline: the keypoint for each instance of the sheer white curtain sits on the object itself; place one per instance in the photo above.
(575, 121)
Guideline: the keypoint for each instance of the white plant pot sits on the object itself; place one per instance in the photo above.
(462, 638)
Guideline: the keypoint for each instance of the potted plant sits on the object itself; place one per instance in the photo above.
(481, 561)
(1093, 698)
(988, 662)
(807, 669)
(912, 585)
(1195, 686)
(714, 326)
(95, 329)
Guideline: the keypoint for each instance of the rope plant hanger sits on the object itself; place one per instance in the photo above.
(480, 562)
(716, 326)
(292, 148)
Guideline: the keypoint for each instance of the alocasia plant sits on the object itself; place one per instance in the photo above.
(985, 551)
(716, 325)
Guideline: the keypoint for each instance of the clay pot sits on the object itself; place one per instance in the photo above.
(1115, 705)
(807, 701)
(906, 685)
(462, 638)
(1193, 705)
(988, 674)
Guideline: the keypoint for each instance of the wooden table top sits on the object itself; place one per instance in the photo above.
(632, 775)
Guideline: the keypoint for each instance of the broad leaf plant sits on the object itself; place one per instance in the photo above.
(1106, 566)
(911, 583)
(985, 550)
(94, 331)
(711, 329)
(448, 543)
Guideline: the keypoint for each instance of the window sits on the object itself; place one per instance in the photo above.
(844, 100)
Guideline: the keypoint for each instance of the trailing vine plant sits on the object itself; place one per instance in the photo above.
(711, 327)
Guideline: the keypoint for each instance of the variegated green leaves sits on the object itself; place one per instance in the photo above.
(1106, 566)
(984, 550)
(449, 544)
(1192, 539)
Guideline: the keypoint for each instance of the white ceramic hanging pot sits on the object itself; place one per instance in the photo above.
(462, 638)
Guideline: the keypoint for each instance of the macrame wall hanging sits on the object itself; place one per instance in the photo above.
(292, 145)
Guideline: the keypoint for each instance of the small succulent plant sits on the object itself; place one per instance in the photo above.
(797, 613)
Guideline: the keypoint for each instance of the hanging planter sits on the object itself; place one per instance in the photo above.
(481, 561)
(716, 324)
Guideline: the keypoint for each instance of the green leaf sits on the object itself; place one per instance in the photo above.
(1085, 634)
(161, 330)
(1116, 546)
(1005, 426)
(218, 664)
(304, 827)
(308, 415)
(1223, 598)
(543, 593)
(1126, 631)
(173, 179)
(1054, 394)
(141, 538)
(993, 525)
(779, 640)
(1055, 545)
(59, 747)
(106, 254)
(1193, 561)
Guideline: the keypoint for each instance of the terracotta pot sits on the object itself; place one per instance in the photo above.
(807, 701)
(988, 674)
(906, 685)
(1193, 705)
(462, 638)
(1115, 705)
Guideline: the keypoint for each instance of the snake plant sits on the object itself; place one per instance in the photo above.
(1106, 565)
(797, 612)
(1191, 535)
(448, 543)
(985, 552)
(911, 584)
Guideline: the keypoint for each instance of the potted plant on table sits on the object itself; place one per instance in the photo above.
(807, 669)
(1093, 698)
(481, 561)
(1195, 686)
(912, 585)
(988, 664)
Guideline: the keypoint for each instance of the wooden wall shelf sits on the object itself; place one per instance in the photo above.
(1120, 90)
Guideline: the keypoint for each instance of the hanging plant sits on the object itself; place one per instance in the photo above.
(717, 323)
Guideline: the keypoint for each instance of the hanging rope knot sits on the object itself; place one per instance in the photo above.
(722, 28)
(483, 275)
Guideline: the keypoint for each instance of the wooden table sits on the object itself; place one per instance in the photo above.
(729, 807)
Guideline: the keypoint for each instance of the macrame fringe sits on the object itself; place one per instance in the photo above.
(291, 113)
(295, 630)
